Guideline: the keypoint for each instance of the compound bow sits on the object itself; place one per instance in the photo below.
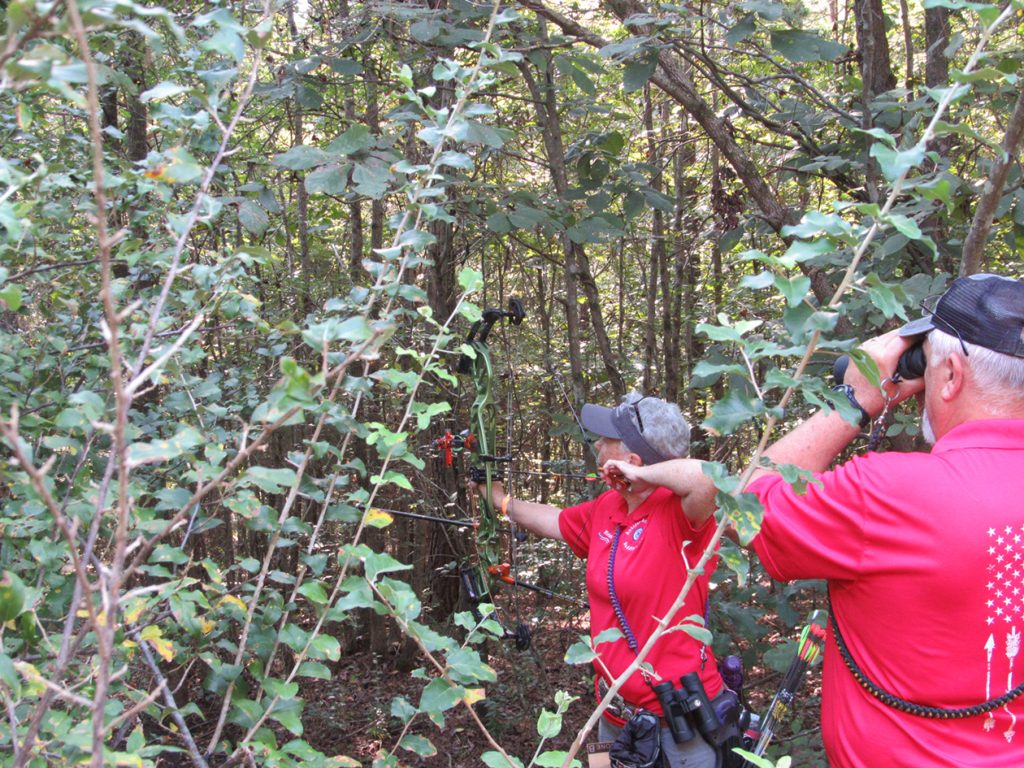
(480, 443)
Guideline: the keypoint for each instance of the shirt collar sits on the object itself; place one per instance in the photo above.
(619, 514)
(983, 433)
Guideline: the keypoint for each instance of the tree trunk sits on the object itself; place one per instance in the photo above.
(974, 244)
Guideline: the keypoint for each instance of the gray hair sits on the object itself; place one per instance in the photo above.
(998, 376)
(664, 426)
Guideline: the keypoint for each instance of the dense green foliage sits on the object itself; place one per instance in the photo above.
(240, 247)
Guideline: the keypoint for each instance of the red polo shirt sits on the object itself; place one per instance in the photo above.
(924, 553)
(649, 574)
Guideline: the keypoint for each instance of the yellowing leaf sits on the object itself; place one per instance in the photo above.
(154, 636)
(232, 600)
(207, 626)
(473, 695)
(378, 518)
(134, 610)
(164, 647)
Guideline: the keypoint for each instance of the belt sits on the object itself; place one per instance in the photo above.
(618, 707)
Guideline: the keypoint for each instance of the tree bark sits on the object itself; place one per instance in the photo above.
(974, 244)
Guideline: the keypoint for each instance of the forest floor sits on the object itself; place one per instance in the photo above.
(350, 714)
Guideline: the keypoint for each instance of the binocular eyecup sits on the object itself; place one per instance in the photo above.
(687, 707)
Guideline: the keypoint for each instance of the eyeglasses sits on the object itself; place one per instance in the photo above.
(636, 410)
(928, 305)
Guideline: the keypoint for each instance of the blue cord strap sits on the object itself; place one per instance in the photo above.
(616, 605)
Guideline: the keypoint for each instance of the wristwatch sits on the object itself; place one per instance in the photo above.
(847, 390)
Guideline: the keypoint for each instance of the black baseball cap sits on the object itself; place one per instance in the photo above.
(982, 309)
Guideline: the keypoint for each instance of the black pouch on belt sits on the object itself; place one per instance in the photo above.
(639, 743)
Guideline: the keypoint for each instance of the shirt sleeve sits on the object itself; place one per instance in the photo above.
(817, 535)
(574, 524)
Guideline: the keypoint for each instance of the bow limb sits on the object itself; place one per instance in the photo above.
(483, 418)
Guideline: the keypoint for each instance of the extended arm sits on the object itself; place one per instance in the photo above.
(541, 519)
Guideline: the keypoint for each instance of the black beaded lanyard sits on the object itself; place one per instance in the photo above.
(910, 707)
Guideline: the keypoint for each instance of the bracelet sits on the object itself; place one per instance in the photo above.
(504, 504)
(847, 390)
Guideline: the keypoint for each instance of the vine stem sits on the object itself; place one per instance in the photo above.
(664, 623)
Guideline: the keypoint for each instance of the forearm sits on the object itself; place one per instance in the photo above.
(685, 478)
(681, 476)
(813, 445)
(541, 519)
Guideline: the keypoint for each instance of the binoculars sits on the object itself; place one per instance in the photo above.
(687, 707)
(911, 364)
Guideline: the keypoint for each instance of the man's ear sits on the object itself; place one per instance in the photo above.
(634, 459)
(953, 377)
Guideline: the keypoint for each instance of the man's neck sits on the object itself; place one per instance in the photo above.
(635, 498)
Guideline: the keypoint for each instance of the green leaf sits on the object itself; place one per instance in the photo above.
(800, 45)
(377, 563)
(252, 217)
(732, 411)
(269, 479)
(280, 689)
(301, 158)
(766, 9)
(497, 760)
(288, 714)
(794, 289)
(182, 167)
(581, 652)
(314, 669)
(314, 592)
(355, 139)
(468, 668)
(162, 91)
(328, 180)
(555, 758)
(226, 42)
(549, 724)
(637, 73)
(10, 297)
(158, 451)
(890, 299)
(740, 31)
(726, 331)
(440, 696)
(325, 647)
(418, 745)
(12, 596)
(698, 633)
(895, 163)
(745, 511)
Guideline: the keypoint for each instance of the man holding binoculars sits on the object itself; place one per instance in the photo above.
(923, 552)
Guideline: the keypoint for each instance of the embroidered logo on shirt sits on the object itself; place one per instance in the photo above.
(632, 535)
